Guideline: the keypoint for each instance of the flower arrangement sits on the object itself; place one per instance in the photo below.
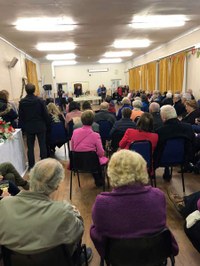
(6, 130)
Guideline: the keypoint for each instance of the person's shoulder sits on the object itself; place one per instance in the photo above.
(157, 192)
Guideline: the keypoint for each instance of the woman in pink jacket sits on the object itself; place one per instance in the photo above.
(85, 139)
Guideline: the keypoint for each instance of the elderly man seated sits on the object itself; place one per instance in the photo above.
(31, 222)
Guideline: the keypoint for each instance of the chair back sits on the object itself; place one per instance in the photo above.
(57, 256)
(85, 162)
(173, 152)
(104, 130)
(145, 251)
(144, 148)
(58, 133)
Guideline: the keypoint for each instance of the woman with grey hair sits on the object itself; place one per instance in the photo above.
(126, 103)
(40, 223)
(136, 112)
(141, 207)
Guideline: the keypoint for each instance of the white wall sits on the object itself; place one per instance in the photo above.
(79, 73)
(184, 42)
(11, 78)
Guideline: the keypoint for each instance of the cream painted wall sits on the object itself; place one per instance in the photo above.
(11, 78)
(79, 73)
(186, 41)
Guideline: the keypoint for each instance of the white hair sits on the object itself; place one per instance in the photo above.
(167, 112)
(137, 104)
(169, 95)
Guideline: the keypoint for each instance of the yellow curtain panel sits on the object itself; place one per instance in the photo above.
(131, 80)
(143, 70)
(134, 79)
(177, 72)
(164, 74)
(151, 76)
(32, 75)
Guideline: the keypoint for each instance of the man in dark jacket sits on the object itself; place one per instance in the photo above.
(154, 109)
(33, 117)
(173, 128)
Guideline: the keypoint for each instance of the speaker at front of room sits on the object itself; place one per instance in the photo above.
(13, 62)
(47, 87)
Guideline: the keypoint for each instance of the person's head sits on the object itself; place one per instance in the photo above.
(70, 99)
(30, 88)
(86, 106)
(126, 112)
(104, 106)
(186, 97)
(6, 93)
(154, 107)
(144, 98)
(87, 118)
(46, 176)
(191, 106)
(169, 95)
(74, 106)
(127, 168)
(145, 122)
(53, 109)
(108, 99)
(137, 104)
(167, 112)
(3, 96)
(177, 97)
(126, 100)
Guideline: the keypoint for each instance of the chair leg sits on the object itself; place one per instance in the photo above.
(79, 184)
(85, 254)
(65, 150)
(102, 262)
(70, 186)
(182, 177)
(171, 170)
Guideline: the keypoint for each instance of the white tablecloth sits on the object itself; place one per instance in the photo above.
(13, 151)
(87, 98)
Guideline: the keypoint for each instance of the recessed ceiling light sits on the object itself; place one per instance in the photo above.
(158, 21)
(45, 24)
(110, 60)
(60, 56)
(118, 54)
(64, 63)
(132, 43)
(56, 46)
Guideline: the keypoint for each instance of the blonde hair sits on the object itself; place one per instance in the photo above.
(127, 167)
(54, 111)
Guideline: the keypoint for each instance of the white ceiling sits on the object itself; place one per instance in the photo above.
(99, 23)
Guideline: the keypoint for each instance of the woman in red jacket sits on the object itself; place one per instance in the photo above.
(143, 132)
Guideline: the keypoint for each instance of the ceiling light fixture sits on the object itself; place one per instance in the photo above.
(110, 60)
(60, 56)
(64, 63)
(45, 24)
(55, 46)
(158, 21)
(118, 54)
(98, 70)
(134, 43)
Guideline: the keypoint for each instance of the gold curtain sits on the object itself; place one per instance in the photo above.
(177, 72)
(151, 70)
(32, 75)
(143, 70)
(134, 79)
(131, 79)
(164, 74)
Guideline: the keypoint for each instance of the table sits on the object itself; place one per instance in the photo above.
(87, 98)
(13, 151)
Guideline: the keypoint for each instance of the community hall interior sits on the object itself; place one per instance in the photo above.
(136, 49)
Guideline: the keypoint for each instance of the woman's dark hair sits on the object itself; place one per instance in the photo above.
(74, 106)
(145, 123)
(126, 112)
(86, 105)
(70, 99)
(108, 99)
(144, 98)
(87, 117)
(3, 96)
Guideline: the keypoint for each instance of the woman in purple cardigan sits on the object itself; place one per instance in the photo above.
(131, 209)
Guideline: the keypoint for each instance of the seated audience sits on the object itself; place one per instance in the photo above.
(74, 114)
(87, 106)
(145, 103)
(7, 188)
(154, 109)
(69, 100)
(136, 112)
(143, 132)
(40, 223)
(126, 103)
(85, 139)
(141, 207)
(8, 172)
(156, 97)
(6, 110)
(173, 128)
(168, 99)
(111, 107)
(178, 105)
(104, 114)
(193, 112)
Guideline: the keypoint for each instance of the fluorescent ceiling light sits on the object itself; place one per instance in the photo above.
(132, 43)
(45, 24)
(60, 56)
(110, 60)
(98, 70)
(63, 63)
(158, 21)
(56, 46)
(118, 54)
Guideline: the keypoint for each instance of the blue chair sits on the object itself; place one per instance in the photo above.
(172, 154)
(144, 148)
(149, 250)
(58, 135)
